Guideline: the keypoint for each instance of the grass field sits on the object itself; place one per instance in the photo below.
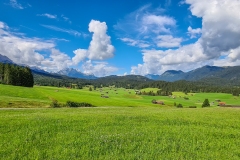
(120, 133)
(123, 126)
(41, 97)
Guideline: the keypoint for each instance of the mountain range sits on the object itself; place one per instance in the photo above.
(205, 73)
(211, 74)
(70, 72)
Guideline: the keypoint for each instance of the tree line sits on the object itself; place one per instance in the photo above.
(12, 74)
(138, 83)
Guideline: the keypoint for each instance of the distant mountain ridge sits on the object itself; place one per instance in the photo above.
(70, 72)
(5, 59)
(207, 73)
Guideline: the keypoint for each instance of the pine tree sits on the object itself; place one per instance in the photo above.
(1, 72)
(7, 73)
(90, 88)
(206, 103)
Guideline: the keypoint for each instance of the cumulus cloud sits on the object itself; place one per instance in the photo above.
(56, 61)
(157, 61)
(220, 25)
(44, 54)
(156, 23)
(24, 50)
(193, 33)
(99, 69)
(168, 41)
(80, 55)
(218, 43)
(100, 47)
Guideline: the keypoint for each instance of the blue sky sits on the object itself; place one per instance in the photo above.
(121, 37)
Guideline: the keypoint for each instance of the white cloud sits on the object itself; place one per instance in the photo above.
(44, 54)
(156, 24)
(69, 31)
(100, 47)
(168, 41)
(66, 19)
(24, 50)
(193, 33)
(51, 16)
(218, 44)
(80, 55)
(220, 25)
(138, 43)
(3, 26)
(99, 69)
(15, 4)
(141, 27)
(56, 61)
(157, 61)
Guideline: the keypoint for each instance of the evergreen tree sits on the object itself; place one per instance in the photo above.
(206, 103)
(15, 75)
(90, 88)
(1, 72)
(7, 73)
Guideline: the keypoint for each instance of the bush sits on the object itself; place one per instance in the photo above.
(179, 106)
(154, 101)
(192, 106)
(78, 104)
(186, 98)
(55, 104)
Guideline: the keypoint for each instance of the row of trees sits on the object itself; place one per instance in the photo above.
(16, 75)
(138, 82)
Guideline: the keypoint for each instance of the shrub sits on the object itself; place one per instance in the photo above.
(192, 106)
(55, 104)
(179, 106)
(186, 98)
(154, 101)
(78, 104)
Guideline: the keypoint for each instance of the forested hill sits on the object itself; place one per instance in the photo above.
(12, 74)
(213, 75)
(136, 82)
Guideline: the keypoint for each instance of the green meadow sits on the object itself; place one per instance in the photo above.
(123, 126)
(41, 97)
(120, 133)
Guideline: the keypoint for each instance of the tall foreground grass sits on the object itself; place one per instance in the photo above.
(120, 133)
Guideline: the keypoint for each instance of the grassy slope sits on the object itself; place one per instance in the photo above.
(120, 133)
(115, 132)
(13, 96)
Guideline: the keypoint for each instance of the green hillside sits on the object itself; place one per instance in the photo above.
(40, 96)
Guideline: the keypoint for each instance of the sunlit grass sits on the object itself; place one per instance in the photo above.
(22, 97)
(120, 133)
